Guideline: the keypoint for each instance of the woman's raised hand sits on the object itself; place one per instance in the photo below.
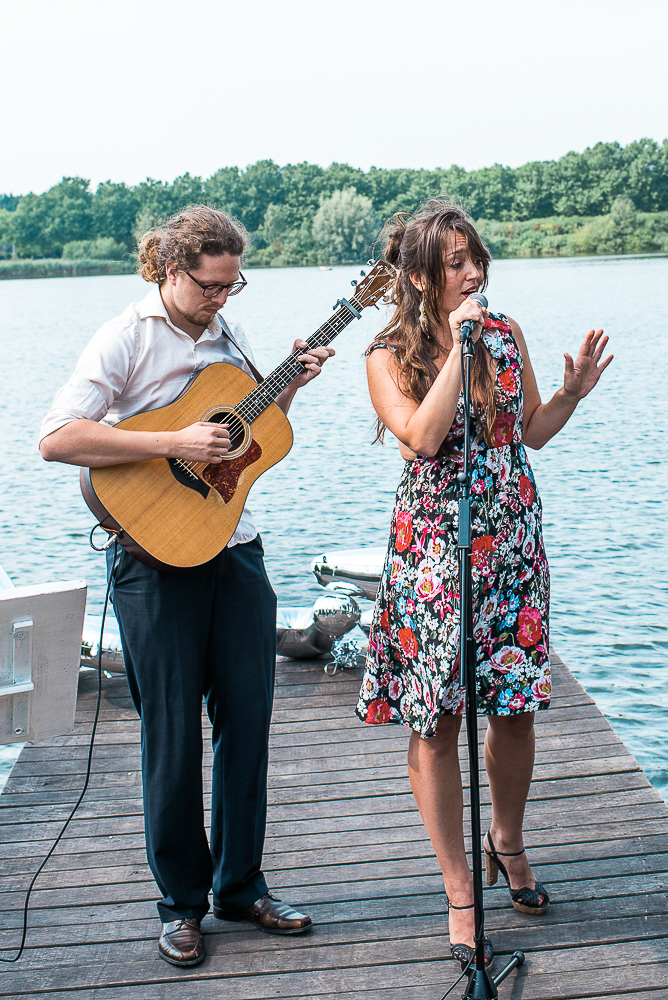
(581, 375)
(469, 309)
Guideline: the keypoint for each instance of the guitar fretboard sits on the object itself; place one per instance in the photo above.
(252, 405)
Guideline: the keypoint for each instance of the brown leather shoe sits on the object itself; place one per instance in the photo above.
(268, 914)
(181, 942)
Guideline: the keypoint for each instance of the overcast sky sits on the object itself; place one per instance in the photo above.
(124, 90)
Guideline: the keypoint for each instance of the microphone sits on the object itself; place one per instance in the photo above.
(468, 326)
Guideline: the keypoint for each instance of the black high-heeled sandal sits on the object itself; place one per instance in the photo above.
(464, 954)
(525, 900)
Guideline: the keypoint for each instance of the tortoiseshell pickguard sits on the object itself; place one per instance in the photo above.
(224, 477)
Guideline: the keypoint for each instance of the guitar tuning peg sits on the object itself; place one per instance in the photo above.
(363, 273)
(353, 282)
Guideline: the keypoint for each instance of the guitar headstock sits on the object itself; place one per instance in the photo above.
(371, 289)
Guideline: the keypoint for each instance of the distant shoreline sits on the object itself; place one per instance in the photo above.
(59, 268)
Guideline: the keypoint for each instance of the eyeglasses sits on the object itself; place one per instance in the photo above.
(213, 291)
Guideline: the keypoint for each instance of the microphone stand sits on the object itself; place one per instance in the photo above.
(480, 986)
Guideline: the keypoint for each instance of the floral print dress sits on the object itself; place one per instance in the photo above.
(412, 670)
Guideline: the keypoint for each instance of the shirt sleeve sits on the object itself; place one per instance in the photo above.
(101, 374)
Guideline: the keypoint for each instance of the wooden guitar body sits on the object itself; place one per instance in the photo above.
(183, 514)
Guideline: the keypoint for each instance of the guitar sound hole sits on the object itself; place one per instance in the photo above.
(235, 426)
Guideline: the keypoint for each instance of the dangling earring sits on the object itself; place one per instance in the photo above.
(424, 322)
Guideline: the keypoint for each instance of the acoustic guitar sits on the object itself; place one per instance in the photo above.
(170, 513)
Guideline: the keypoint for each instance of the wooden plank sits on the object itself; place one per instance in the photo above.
(640, 791)
(550, 781)
(601, 968)
(333, 854)
(138, 919)
(287, 761)
(612, 836)
(313, 952)
(107, 780)
(84, 940)
(555, 816)
(308, 895)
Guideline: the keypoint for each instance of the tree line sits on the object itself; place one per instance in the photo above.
(303, 214)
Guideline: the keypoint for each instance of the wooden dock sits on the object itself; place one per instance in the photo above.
(345, 843)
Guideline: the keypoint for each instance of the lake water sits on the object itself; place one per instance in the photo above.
(603, 480)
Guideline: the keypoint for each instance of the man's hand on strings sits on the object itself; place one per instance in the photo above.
(200, 442)
(313, 359)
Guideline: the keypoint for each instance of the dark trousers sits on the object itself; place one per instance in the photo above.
(208, 631)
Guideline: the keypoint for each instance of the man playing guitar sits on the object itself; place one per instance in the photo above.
(208, 630)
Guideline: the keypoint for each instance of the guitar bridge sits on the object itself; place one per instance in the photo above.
(186, 477)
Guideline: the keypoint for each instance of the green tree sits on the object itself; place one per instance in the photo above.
(623, 224)
(260, 186)
(532, 194)
(303, 184)
(7, 226)
(115, 209)
(187, 190)
(223, 191)
(45, 222)
(401, 190)
(622, 231)
(456, 185)
(344, 227)
(282, 240)
(156, 203)
(339, 176)
(647, 167)
(491, 193)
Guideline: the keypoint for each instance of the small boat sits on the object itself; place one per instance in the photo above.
(360, 569)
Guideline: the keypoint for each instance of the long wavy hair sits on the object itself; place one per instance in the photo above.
(182, 238)
(416, 245)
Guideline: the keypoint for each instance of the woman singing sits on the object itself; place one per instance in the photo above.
(414, 378)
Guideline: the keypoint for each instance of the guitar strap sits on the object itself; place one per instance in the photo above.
(226, 330)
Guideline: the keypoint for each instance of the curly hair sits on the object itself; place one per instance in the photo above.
(182, 238)
(416, 245)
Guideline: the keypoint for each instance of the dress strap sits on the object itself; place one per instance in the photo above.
(383, 344)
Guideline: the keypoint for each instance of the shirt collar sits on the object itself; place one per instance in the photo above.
(152, 306)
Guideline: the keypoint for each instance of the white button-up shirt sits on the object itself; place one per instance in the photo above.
(140, 361)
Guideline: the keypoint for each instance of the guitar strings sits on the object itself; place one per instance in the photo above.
(252, 405)
(327, 332)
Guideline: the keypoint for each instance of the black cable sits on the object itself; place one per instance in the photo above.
(464, 973)
(88, 771)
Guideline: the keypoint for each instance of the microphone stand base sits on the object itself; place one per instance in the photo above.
(481, 986)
